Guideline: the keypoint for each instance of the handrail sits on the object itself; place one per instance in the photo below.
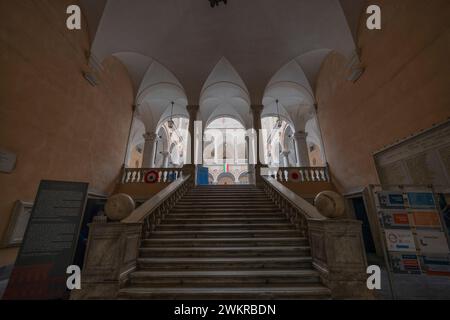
(297, 210)
(145, 210)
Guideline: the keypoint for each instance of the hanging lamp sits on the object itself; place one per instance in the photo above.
(279, 122)
(171, 123)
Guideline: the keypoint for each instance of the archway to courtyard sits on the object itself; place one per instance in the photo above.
(225, 151)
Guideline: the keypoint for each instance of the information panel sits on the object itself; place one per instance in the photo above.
(413, 229)
(50, 242)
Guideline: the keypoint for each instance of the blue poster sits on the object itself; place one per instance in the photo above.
(202, 176)
(391, 200)
(421, 200)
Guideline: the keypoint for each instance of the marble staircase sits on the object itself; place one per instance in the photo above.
(225, 242)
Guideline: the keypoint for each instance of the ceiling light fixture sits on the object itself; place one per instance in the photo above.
(279, 122)
(171, 123)
(216, 2)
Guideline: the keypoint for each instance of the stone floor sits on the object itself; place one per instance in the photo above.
(4, 276)
(411, 287)
(406, 287)
(415, 287)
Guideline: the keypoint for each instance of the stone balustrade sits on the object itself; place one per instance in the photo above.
(113, 247)
(300, 174)
(133, 175)
(337, 246)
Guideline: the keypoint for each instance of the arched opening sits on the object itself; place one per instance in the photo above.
(278, 144)
(135, 156)
(225, 150)
(171, 144)
(244, 178)
(226, 178)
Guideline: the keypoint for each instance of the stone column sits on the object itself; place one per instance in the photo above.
(236, 151)
(302, 149)
(285, 157)
(193, 110)
(166, 157)
(257, 110)
(250, 167)
(149, 150)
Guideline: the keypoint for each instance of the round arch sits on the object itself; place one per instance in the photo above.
(210, 178)
(244, 178)
(226, 178)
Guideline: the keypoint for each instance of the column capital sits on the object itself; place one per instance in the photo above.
(192, 108)
(150, 136)
(300, 135)
(286, 153)
(257, 108)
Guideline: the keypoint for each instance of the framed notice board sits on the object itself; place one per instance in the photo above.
(412, 230)
(49, 243)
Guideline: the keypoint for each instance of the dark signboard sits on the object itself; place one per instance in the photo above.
(50, 242)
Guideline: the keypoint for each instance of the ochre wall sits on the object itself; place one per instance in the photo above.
(141, 191)
(405, 88)
(59, 126)
(309, 190)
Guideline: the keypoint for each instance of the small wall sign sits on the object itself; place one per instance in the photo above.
(7, 161)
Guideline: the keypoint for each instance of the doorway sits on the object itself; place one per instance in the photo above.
(361, 215)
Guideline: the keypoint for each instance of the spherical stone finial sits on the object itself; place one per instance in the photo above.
(330, 204)
(119, 206)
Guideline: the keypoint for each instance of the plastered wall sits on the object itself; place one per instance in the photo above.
(58, 125)
(405, 88)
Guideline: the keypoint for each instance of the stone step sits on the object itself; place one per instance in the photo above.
(227, 278)
(240, 196)
(250, 215)
(225, 226)
(230, 200)
(200, 189)
(228, 263)
(230, 186)
(237, 195)
(225, 205)
(226, 190)
(273, 251)
(224, 242)
(198, 200)
(217, 293)
(250, 221)
(230, 233)
(176, 209)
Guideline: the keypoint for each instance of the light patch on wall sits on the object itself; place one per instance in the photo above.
(7, 161)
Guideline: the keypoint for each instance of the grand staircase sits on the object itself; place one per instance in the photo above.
(225, 242)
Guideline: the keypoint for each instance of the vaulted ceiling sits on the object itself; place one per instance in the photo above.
(189, 38)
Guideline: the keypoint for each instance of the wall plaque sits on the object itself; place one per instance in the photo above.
(7, 161)
(49, 243)
(420, 160)
(18, 224)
